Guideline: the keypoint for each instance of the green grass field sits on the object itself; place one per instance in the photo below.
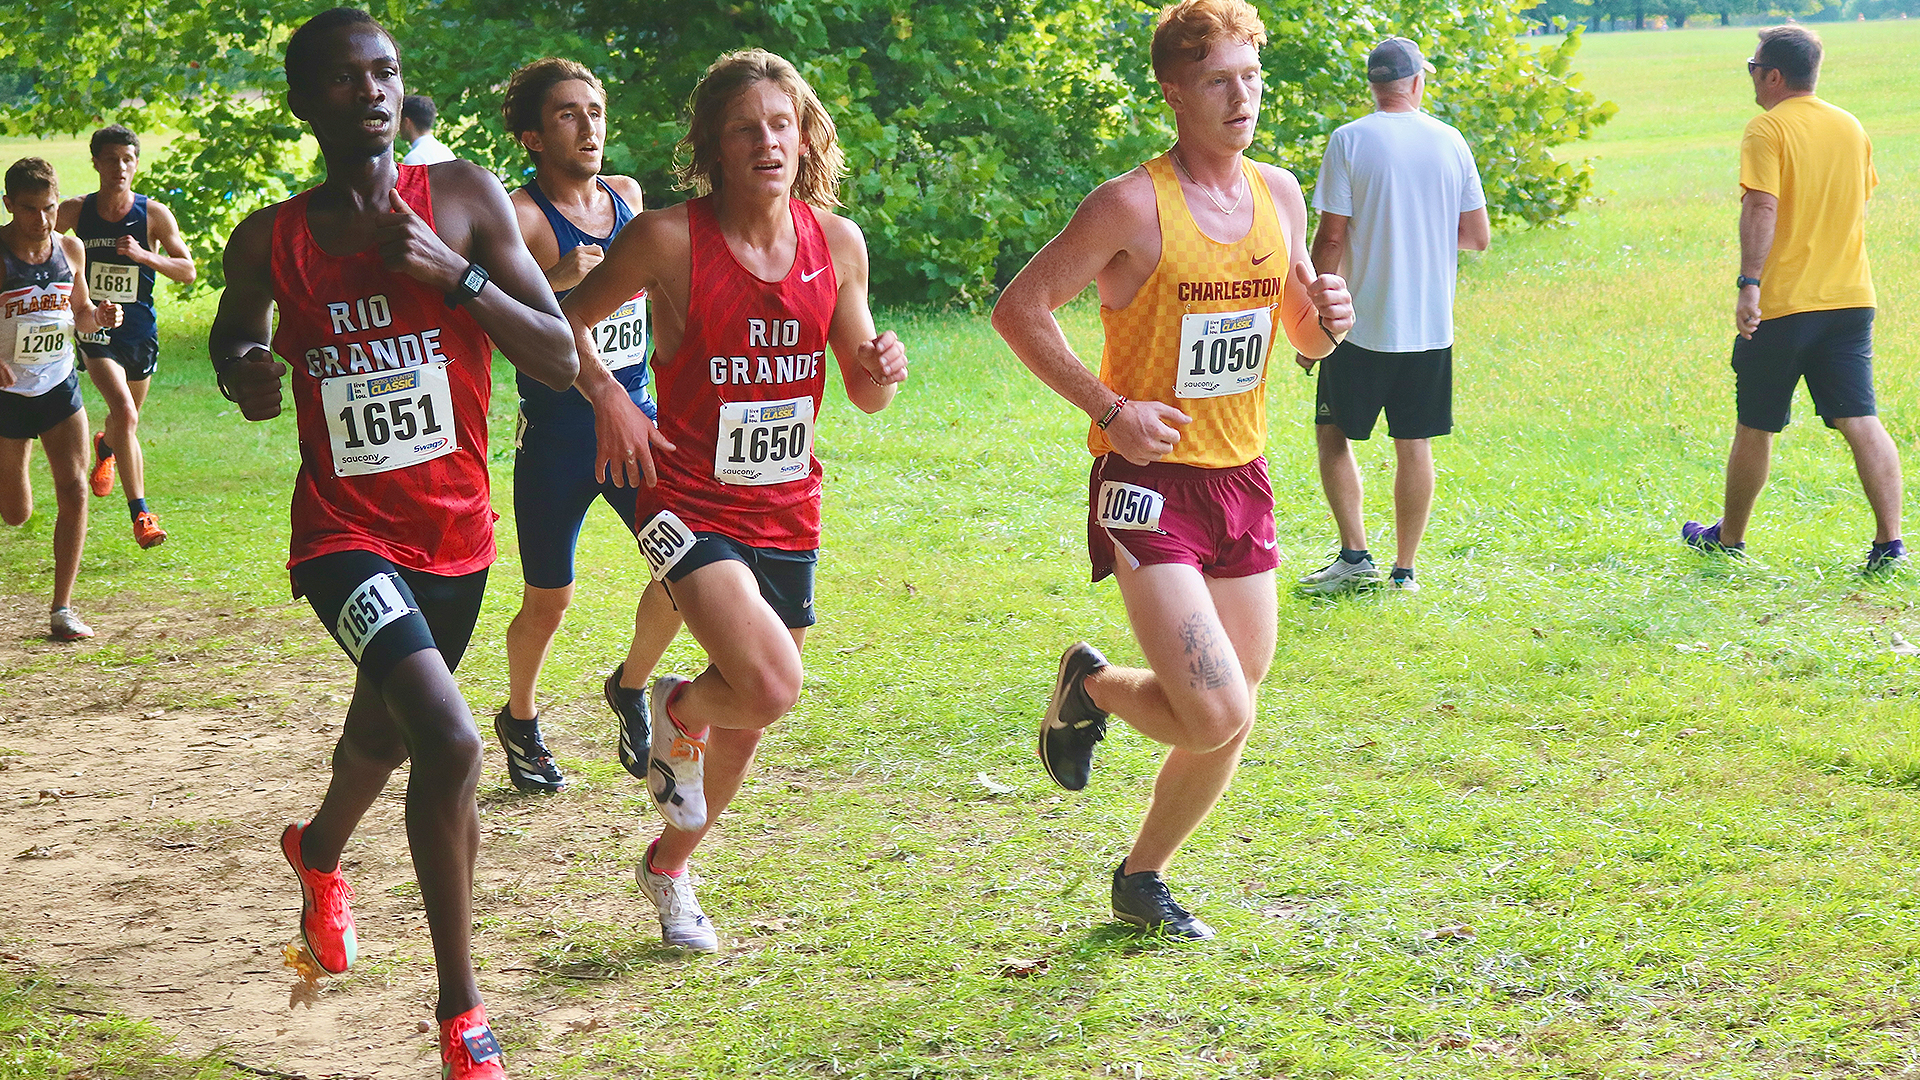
(1672, 797)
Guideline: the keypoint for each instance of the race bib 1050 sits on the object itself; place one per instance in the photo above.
(1223, 353)
(388, 420)
(1129, 506)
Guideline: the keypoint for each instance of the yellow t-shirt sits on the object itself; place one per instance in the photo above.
(1815, 158)
(1199, 334)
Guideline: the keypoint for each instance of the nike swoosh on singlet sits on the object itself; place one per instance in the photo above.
(806, 277)
(1263, 258)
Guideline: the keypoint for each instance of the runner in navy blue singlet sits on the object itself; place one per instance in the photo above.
(568, 214)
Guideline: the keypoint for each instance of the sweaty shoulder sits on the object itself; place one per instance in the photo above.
(840, 231)
(1127, 198)
(627, 188)
(658, 230)
(461, 177)
(251, 244)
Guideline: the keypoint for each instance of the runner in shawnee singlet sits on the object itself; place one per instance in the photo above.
(42, 305)
(393, 284)
(751, 284)
(130, 239)
(1201, 262)
(568, 214)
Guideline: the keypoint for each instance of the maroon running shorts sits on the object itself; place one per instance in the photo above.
(1219, 521)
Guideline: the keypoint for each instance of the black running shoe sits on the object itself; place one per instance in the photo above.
(1073, 724)
(1142, 900)
(636, 726)
(529, 765)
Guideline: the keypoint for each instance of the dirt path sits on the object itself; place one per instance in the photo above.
(140, 809)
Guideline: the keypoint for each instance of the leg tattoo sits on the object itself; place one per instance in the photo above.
(1206, 660)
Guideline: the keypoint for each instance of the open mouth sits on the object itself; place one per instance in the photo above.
(769, 167)
(376, 123)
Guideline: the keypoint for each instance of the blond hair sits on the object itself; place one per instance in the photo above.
(1188, 30)
(816, 179)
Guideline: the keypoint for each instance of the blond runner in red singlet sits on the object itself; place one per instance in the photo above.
(393, 285)
(1200, 258)
(751, 284)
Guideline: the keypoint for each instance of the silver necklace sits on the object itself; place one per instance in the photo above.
(1208, 192)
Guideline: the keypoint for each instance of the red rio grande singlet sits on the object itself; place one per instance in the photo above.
(739, 398)
(390, 389)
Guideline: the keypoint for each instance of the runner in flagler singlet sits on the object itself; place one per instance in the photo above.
(751, 286)
(1201, 264)
(568, 214)
(393, 284)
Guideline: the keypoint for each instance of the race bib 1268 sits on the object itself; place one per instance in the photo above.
(373, 605)
(1129, 506)
(42, 342)
(388, 420)
(621, 338)
(118, 282)
(664, 540)
(1223, 353)
(764, 442)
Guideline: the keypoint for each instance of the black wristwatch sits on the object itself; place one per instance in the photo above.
(472, 280)
(1743, 281)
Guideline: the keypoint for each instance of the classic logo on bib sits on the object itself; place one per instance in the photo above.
(664, 540)
(621, 338)
(1129, 506)
(764, 442)
(117, 282)
(42, 342)
(386, 420)
(1223, 353)
(373, 605)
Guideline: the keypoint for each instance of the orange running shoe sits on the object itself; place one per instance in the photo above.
(468, 1050)
(101, 479)
(326, 915)
(146, 528)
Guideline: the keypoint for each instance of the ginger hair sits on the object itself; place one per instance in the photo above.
(1188, 31)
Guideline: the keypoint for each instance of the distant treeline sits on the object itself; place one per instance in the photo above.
(1605, 14)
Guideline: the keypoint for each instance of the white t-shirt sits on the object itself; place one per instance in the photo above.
(1404, 179)
(427, 150)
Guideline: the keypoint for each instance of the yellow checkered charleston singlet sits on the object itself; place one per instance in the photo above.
(1197, 276)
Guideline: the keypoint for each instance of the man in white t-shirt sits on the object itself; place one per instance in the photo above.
(417, 114)
(1398, 193)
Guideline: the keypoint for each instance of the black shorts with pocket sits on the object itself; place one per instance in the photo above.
(1832, 350)
(380, 613)
(139, 359)
(1415, 389)
(785, 577)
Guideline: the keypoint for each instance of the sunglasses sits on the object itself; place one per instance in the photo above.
(1755, 65)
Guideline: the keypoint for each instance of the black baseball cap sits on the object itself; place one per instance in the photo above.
(1394, 59)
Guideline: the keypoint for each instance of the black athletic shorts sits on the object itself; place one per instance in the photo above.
(31, 417)
(1832, 350)
(1415, 389)
(785, 577)
(381, 613)
(140, 359)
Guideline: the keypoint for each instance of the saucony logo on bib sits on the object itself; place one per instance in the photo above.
(1263, 258)
(806, 277)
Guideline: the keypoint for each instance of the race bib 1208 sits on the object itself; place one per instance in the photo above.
(388, 420)
(764, 442)
(1129, 506)
(621, 338)
(1223, 353)
(118, 282)
(664, 540)
(42, 342)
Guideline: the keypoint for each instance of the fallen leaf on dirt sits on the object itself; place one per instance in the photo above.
(38, 851)
(1456, 932)
(1452, 1040)
(1901, 647)
(1023, 969)
(994, 787)
(591, 1023)
(301, 961)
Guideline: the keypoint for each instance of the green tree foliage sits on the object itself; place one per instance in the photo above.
(972, 128)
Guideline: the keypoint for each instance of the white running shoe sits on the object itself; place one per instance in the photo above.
(677, 763)
(1339, 576)
(682, 923)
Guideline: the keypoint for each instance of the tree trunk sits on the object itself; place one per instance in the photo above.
(1639, 15)
(1677, 20)
(1726, 19)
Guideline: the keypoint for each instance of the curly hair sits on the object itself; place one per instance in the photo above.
(1188, 30)
(817, 179)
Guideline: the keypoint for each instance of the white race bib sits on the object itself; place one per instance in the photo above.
(1128, 506)
(42, 342)
(118, 282)
(764, 442)
(621, 338)
(373, 605)
(1223, 353)
(664, 540)
(386, 420)
(98, 337)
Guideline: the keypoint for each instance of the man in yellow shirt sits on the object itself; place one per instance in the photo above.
(1200, 258)
(1806, 300)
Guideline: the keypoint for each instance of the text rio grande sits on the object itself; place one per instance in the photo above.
(368, 350)
(767, 367)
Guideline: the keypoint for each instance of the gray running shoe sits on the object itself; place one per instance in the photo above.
(677, 767)
(1073, 724)
(682, 923)
(66, 626)
(1340, 576)
(1142, 900)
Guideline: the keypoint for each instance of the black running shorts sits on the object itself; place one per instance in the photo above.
(31, 417)
(140, 359)
(785, 577)
(380, 613)
(1832, 350)
(1415, 389)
